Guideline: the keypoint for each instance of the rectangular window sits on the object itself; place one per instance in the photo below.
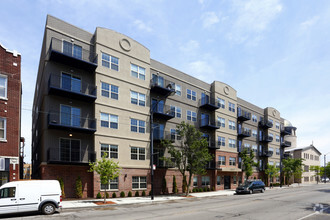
(176, 111)
(221, 141)
(138, 153)
(110, 150)
(110, 62)
(177, 90)
(254, 133)
(232, 161)
(70, 116)
(254, 118)
(3, 86)
(306, 168)
(175, 135)
(232, 143)
(138, 72)
(235, 180)
(191, 116)
(139, 182)
(113, 185)
(277, 125)
(138, 98)
(107, 119)
(205, 180)
(69, 150)
(255, 149)
(232, 125)
(277, 165)
(218, 180)
(108, 90)
(221, 122)
(138, 125)
(191, 95)
(72, 49)
(221, 103)
(195, 183)
(277, 151)
(270, 149)
(222, 160)
(247, 147)
(231, 107)
(3, 128)
(277, 138)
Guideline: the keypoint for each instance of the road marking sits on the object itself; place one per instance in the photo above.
(317, 212)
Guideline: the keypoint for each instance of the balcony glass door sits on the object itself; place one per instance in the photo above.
(72, 50)
(205, 119)
(70, 82)
(69, 150)
(158, 80)
(158, 131)
(70, 116)
(158, 105)
(204, 99)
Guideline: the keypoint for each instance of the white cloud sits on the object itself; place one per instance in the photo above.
(191, 47)
(142, 26)
(310, 22)
(209, 19)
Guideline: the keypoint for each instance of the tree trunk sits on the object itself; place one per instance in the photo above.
(105, 196)
(188, 185)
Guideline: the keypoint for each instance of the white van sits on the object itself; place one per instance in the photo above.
(29, 196)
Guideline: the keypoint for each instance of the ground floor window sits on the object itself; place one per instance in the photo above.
(195, 181)
(277, 179)
(306, 179)
(218, 180)
(205, 180)
(113, 185)
(4, 177)
(139, 182)
(235, 180)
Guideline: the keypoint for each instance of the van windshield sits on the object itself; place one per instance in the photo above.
(246, 184)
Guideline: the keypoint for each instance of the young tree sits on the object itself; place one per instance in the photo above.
(247, 162)
(272, 171)
(317, 170)
(192, 155)
(292, 166)
(107, 169)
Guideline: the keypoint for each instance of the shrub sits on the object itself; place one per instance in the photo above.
(98, 196)
(175, 188)
(194, 190)
(79, 192)
(106, 195)
(164, 186)
(114, 195)
(205, 189)
(122, 194)
(213, 189)
(62, 186)
(208, 189)
(200, 189)
(137, 194)
(129, 194)
(143, 193)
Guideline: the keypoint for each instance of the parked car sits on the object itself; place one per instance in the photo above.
(251, 186)
(28, 196)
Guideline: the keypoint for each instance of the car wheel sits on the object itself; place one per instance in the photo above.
(48, 209)
(251, 191)
(262, 190)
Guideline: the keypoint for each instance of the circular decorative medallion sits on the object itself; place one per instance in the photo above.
(125, 44)
(274, 112)
(226, 90)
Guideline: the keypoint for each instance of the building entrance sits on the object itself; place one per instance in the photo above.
(227, 182)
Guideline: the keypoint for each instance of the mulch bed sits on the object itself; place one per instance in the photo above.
(106, 203)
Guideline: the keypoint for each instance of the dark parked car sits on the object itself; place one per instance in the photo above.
(251, 186)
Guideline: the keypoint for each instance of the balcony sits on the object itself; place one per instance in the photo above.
(265, 124)
(161, 87)
(163, 112)
(71, 88)
(73, 55)
(286, 144)
(70, 156)
(244, 132)
(243, 115)
(159, 135)
(266, 139)
(286, 131)
(210, 104)
(266, 153)
(213, 144)
(286, 156)
(211, 124)
(62, 121)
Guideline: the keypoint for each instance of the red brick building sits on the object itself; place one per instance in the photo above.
(10, 114)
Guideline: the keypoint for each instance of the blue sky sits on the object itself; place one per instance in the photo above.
(274, 53)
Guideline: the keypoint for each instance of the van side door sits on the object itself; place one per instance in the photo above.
(8, 200)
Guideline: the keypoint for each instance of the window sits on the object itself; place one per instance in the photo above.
(3, 128)
(270, 149)
(312, 157)
(277, 165)
(70, 82)
(254, 118)
(177, 89)
(138, 125)
(271, 135)
(221, 122)
(191, 116)
(191, 95)
(231, 107)
(110, 150)
(69, 150)
(247, 147)
(222, 160)
(138, 153)
(175, 135)
(138, 98)
(235, 180)
(277, 151)
(232, 161)
(221, 103)
(271, 163)
(255, 149)
(277, 138)
(107, 119)
(138, 72)
(113, 185)
(205, 180)
(195, 183)
(177, 111)
(254, 133)
(232, 143)
(110, 91)
(139, 182)
(218, 180)
(70, 116)
(277, 125)
(72, 49)
(306, 168)
(8, 192)
(221, 141)
(110, 62)
(232, 125)
(306, 179)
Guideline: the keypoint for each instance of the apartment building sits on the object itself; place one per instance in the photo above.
(95, 94)
(311, 157)
(10, 114)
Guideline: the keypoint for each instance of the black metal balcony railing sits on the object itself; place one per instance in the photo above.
(208, 103)
(161, 86)
(286, 130)
(266, 139)
(286, 144)
(286, 155)
(265, 124)
(79, 58)
(213, 145)
(71, 122)
(70, 156)
(266, 153)
(159, 135)
(72, 89)
(208, 123)
(244, 132)
(163, 112)
(243, 115)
